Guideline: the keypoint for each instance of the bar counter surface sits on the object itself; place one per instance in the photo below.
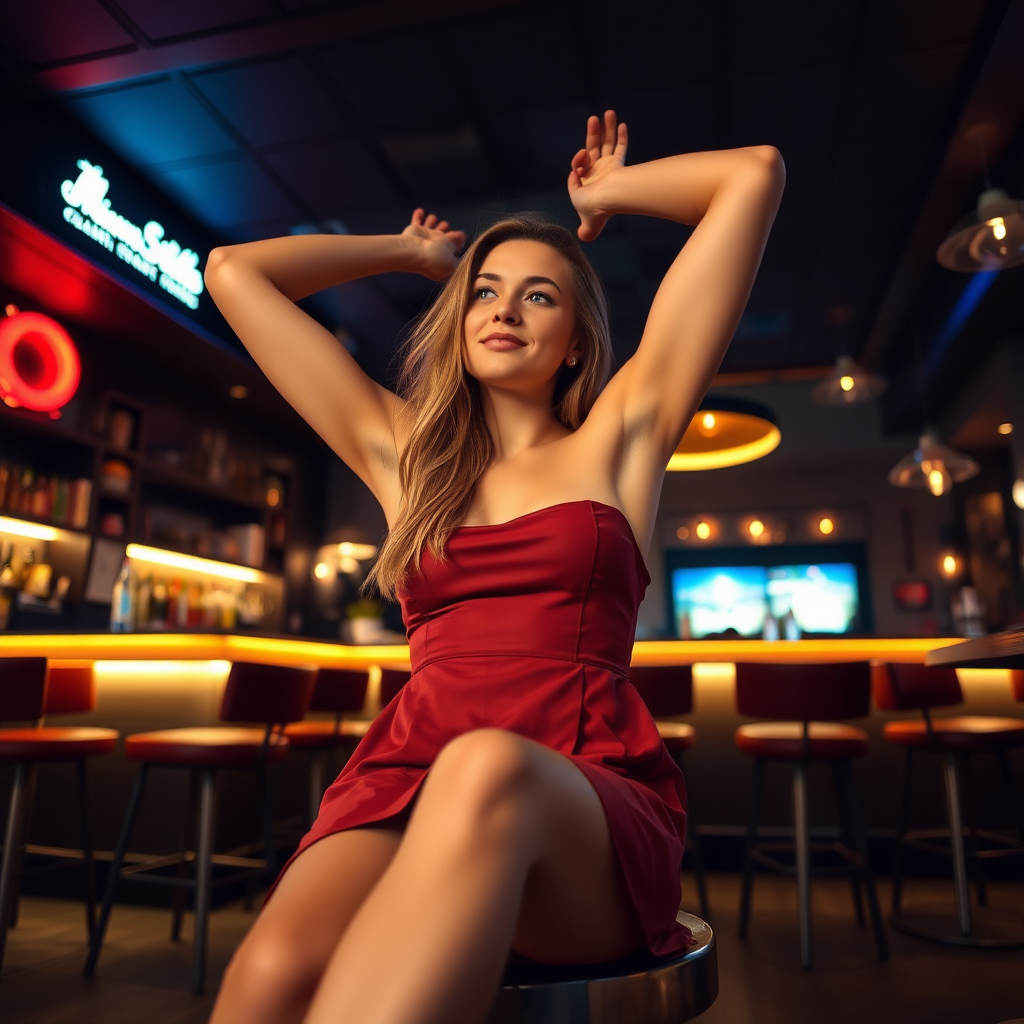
(85, 647)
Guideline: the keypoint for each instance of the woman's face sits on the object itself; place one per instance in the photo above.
(520, 325)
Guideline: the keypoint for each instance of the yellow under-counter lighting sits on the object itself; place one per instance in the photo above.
(192, 563)
(726, 432)
(20, 528)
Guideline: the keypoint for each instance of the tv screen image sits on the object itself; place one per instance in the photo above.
(818, 598)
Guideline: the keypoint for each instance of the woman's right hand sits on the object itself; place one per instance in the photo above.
(438, 246)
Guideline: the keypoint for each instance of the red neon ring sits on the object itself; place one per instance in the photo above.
(66, 366)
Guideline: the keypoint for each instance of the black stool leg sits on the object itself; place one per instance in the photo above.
(693, 844)
(13, 839)
(204, 868)
(115, 870)
(14, 897)
(972, 830)
(861, 840)
(901, 831)
(803, 863)
(180, 899)
(849, 839)
(89, 862)
(956, 842)
(748, 852)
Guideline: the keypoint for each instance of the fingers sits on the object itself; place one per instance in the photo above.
(593, 137)
(609, 135)
(417, 216)
(622, 141)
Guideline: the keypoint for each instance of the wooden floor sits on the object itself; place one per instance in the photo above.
(143, 977)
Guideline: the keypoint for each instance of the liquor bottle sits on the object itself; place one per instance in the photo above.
(143, 602)
(8, 585)
(121, 600)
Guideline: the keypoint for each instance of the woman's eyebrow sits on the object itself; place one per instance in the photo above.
(536, 279)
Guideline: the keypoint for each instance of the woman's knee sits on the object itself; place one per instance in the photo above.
(485, 774)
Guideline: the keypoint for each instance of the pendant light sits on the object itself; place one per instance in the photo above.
(933, 466)
(847, 384)
(726, 432)
(991, 237)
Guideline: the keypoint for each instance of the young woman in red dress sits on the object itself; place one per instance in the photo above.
(515, 795)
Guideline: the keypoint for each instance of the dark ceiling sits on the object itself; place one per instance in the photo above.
(267, 116)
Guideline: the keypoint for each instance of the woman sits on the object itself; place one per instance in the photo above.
(516, 795)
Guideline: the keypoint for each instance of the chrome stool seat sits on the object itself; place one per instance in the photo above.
(642, 989)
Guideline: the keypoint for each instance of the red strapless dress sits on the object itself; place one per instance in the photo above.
(528, 626)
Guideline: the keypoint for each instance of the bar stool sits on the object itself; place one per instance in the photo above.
(812, 694)
(904, 687)
(667, 690)
(391, 681)
(269, 694)
(28, 692)
(642, 989)
(340, 691)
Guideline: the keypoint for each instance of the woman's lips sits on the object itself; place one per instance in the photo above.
(502, 342)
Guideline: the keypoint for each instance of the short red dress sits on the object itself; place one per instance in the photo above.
(528, 626)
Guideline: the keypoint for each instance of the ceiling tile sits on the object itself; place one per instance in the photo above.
(769, 36)
(334, 177)
(161, 20)
(41, 31)
(791, 110)
(274, 101)
(389, 85)
(227, 193)
(441, 164)
(152, 123)
(870, 177)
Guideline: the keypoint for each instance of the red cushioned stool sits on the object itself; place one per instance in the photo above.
(667, 690)
(28, 692)
(813, 695)
(272, 695)
(905, 687)
(340, 691)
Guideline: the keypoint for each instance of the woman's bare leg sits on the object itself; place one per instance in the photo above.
(508, 845)
(274, 973)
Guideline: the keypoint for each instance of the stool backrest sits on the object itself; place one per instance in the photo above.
(665, 689)
(391, 681)
(70, 690)
(270, 694)
(22, 689)
(340, 690)
(899, 687)
(1017, 683)
(808, 693)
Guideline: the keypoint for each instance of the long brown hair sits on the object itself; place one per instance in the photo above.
(449, 445)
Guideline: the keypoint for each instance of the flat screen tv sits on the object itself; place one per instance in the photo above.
(783, 591)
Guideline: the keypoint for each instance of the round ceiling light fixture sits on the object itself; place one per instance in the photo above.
(848, 384)
(933, 466)
(990, 237)
(726, 432)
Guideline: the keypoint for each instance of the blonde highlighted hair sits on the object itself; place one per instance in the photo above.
(449, 446)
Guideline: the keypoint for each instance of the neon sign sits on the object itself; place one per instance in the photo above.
(39, 364)
(160, 259)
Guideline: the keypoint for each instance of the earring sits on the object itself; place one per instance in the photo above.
(572, 360)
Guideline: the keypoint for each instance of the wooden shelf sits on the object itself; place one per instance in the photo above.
(160, 473)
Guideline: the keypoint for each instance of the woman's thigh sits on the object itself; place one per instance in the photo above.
(276, 969)
(575, 907)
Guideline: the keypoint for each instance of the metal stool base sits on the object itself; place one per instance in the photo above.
(641, 990)
(937, 922)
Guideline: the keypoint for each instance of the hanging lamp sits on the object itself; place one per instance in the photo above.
(848, 384)
(726, 432)
(991, 237)
(933, 466)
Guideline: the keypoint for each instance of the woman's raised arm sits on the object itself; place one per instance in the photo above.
(732, 197)
(256, 285)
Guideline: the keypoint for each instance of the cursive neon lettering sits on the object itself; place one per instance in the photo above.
(160, 259)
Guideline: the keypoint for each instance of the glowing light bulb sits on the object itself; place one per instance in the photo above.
(826, 525)
(998, 226)
(709, 421)
(682, 533)
(1005, 428)
(756, 528)
(846, 382)
(939, 480)
(321, 570)
(703, 530)
(1017, 493)
(950, 565)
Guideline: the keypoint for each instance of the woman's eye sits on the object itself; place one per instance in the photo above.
(482, 289)
(539, 295)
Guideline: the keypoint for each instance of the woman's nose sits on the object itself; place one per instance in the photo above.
(506, 315)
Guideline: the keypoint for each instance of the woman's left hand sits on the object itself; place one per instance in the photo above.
(604, 155)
